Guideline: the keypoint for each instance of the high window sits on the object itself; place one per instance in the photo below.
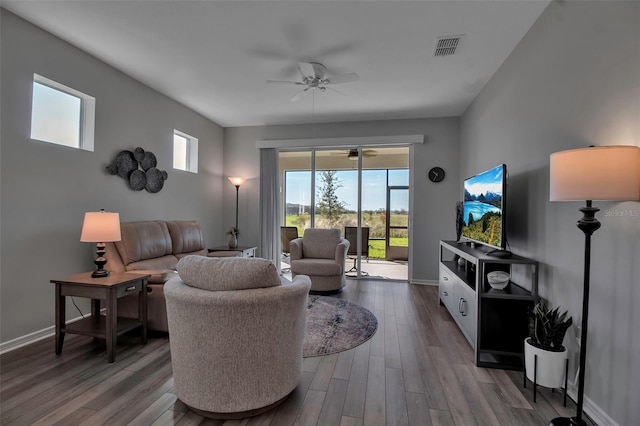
(185, 152)
(62, 115)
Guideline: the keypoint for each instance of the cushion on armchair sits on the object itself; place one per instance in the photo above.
(227, 273)
(320, 243)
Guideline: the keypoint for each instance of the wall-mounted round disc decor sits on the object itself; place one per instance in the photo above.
(127, 165)
(138, 153)
(137, 180)
(155, 180)
(148, 161)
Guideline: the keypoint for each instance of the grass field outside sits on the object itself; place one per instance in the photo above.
(376, 221)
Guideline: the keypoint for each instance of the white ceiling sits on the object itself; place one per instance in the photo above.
(214, 56)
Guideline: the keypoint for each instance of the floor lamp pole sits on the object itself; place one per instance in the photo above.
(237, 194)
(587, 224)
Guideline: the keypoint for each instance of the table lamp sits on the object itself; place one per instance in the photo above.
(610, 173)
(100, 227)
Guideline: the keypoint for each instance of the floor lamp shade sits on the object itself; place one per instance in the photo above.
(236, 181)
(100, 227)
(595, 173)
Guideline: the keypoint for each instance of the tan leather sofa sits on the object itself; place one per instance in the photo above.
(236, 335)
(154, 248)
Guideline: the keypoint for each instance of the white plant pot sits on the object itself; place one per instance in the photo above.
(550, 365)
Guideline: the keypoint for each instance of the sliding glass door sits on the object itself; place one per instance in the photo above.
(397, 243)
(361, 191)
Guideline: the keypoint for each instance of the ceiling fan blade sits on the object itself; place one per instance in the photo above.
(342, 78)
(285, 82)
(336, 50)
(334, 90)
(266, 52)
(306, 70)
(299, 95)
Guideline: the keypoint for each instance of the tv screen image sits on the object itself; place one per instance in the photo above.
(484, 207)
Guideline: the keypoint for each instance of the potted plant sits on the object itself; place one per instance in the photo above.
(233, 237)
(547, 328)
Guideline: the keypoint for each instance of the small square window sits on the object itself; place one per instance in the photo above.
(185, 152)
(61, 115)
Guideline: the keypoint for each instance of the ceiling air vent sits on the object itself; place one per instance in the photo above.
(447, 46)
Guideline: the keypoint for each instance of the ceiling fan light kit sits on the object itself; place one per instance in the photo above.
(352, 154)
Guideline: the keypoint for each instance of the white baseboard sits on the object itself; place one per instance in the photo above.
(30, 338)
(592, 410)
(424, 282)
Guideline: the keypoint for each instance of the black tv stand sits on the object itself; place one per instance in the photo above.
(500, 254)
(495, 322)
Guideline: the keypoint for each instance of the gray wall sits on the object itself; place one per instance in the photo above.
(434, 204)
(46, 188)
(573, 81)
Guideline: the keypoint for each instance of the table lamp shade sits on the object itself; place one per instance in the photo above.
(595, 173)
(100, 227)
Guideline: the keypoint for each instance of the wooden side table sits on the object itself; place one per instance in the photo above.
(109, 289)
(247, 251)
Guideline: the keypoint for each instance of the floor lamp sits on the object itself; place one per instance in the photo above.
(237, 181)
(609, 173)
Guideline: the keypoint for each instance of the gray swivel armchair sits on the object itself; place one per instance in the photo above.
(320, 254)
(236, 335)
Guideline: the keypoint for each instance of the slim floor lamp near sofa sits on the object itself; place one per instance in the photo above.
(607, 173)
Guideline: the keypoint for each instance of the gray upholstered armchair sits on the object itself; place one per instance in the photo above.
(236, 335)
(320, 254)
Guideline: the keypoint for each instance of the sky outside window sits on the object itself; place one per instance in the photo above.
(179, 152)
(374, 188)
(55, 116)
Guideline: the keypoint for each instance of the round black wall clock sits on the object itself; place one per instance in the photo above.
(436, 174)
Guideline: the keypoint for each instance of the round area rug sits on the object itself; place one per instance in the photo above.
(335, 325)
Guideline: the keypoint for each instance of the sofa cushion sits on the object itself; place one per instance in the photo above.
(142, 241)
(320, 243)
(186, 236)
(193, 253)
(156, 276)
(227, 273)
(164, 262)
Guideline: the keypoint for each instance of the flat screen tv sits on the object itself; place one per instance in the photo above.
(484, 207)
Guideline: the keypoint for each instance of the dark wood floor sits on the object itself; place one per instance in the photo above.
(417, 370)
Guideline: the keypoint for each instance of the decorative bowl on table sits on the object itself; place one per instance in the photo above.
(498, 279)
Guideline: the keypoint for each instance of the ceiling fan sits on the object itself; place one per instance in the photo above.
(352, 154)
(314, 76)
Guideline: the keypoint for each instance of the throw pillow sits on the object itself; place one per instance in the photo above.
(227, 273)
